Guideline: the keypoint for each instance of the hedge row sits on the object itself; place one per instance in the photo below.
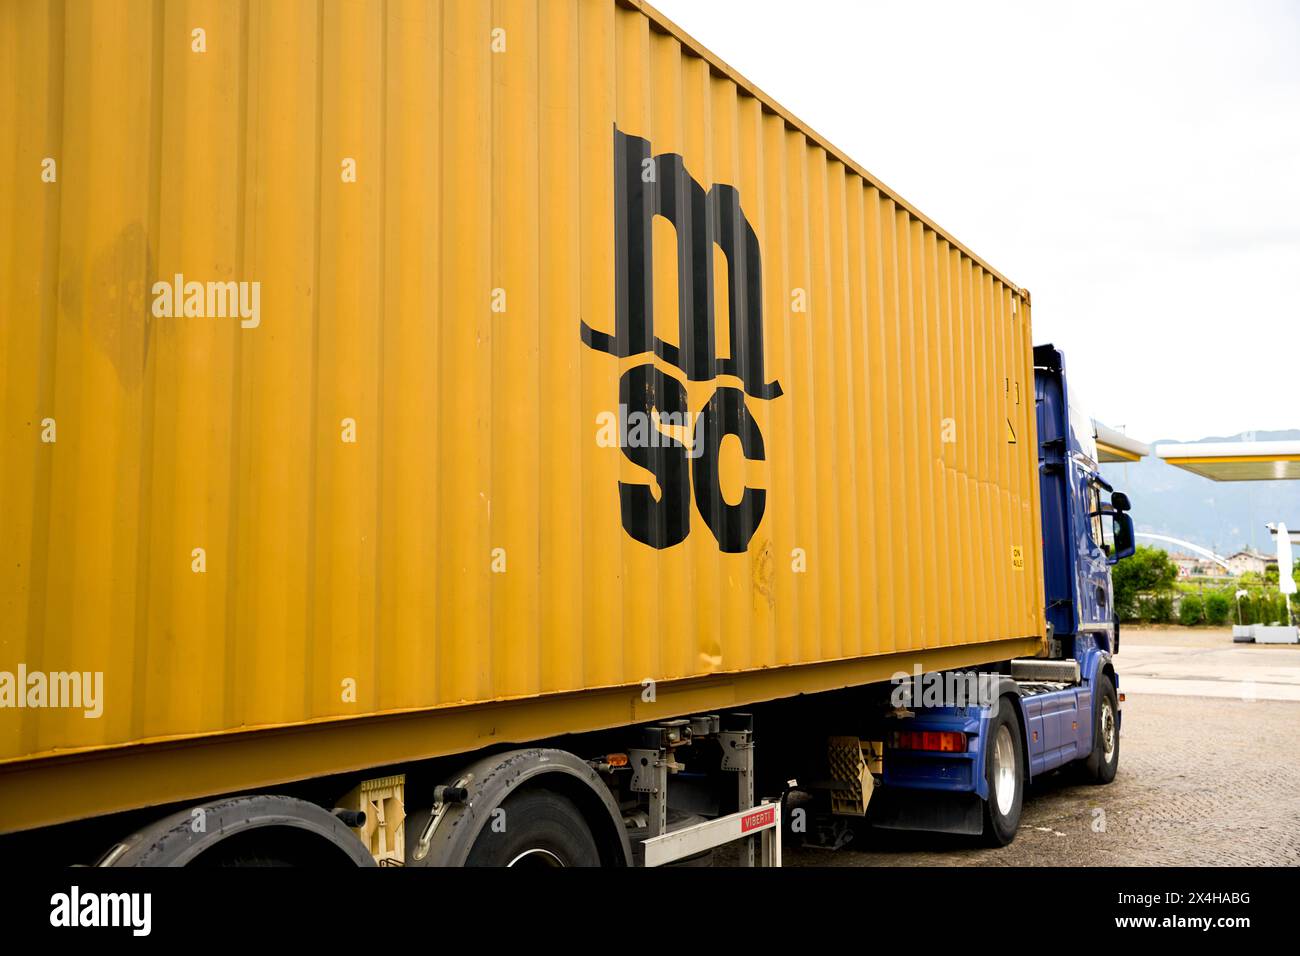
(1216, 608)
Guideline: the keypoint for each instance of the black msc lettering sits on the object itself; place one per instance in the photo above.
(645, 187)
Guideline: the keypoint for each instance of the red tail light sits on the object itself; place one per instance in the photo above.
(944, 741)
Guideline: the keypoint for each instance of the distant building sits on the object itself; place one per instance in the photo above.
(1195, 566)
(1250, 560)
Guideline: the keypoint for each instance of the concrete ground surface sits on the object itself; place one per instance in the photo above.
(1209, 772)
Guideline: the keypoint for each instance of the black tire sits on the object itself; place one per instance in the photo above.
(1002, 808)
(1100, 766)
(540, 829)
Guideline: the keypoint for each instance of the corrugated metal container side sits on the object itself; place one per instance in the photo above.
(471, 303)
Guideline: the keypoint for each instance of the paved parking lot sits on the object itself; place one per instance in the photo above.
(1209, 772)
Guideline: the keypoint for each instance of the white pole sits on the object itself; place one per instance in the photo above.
(1284, 563)
(1285, 580)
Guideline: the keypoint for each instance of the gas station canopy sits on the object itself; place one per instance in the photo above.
(1236, 460)
(1116, 446)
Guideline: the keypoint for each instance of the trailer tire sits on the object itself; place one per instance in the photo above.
(540, 829)
(1100, 766)
(1004, 772)
(247, 830)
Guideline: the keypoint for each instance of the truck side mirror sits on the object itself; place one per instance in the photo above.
(1119, 501)
(1122, 530)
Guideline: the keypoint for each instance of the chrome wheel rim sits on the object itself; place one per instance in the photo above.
(537, 859)
(1004, 770)
(1108, 734)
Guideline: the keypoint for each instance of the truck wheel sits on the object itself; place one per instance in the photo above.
(1101, 764)
(540, 830)
(249, 830)
(1004, 771)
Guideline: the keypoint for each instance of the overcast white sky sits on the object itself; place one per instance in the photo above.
(1152, 207)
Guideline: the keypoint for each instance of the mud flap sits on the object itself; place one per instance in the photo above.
(893, 808)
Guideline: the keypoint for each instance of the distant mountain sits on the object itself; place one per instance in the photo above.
(1223, 516)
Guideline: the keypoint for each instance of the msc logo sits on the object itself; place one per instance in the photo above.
(645, 187)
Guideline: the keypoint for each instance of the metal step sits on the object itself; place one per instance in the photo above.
(1066, 671)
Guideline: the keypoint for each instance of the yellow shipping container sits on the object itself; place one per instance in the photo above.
(387, 373)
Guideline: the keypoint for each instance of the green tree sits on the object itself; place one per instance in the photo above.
(1158, 608)
(1265, 606)
(1218, 608)
(1278, 605)
(1249, 606)
(1147, 571)
(1191, 610)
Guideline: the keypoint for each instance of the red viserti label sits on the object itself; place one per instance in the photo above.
(760, 819)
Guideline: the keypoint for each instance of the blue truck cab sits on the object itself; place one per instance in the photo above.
(1083, 532)
(962, 767)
